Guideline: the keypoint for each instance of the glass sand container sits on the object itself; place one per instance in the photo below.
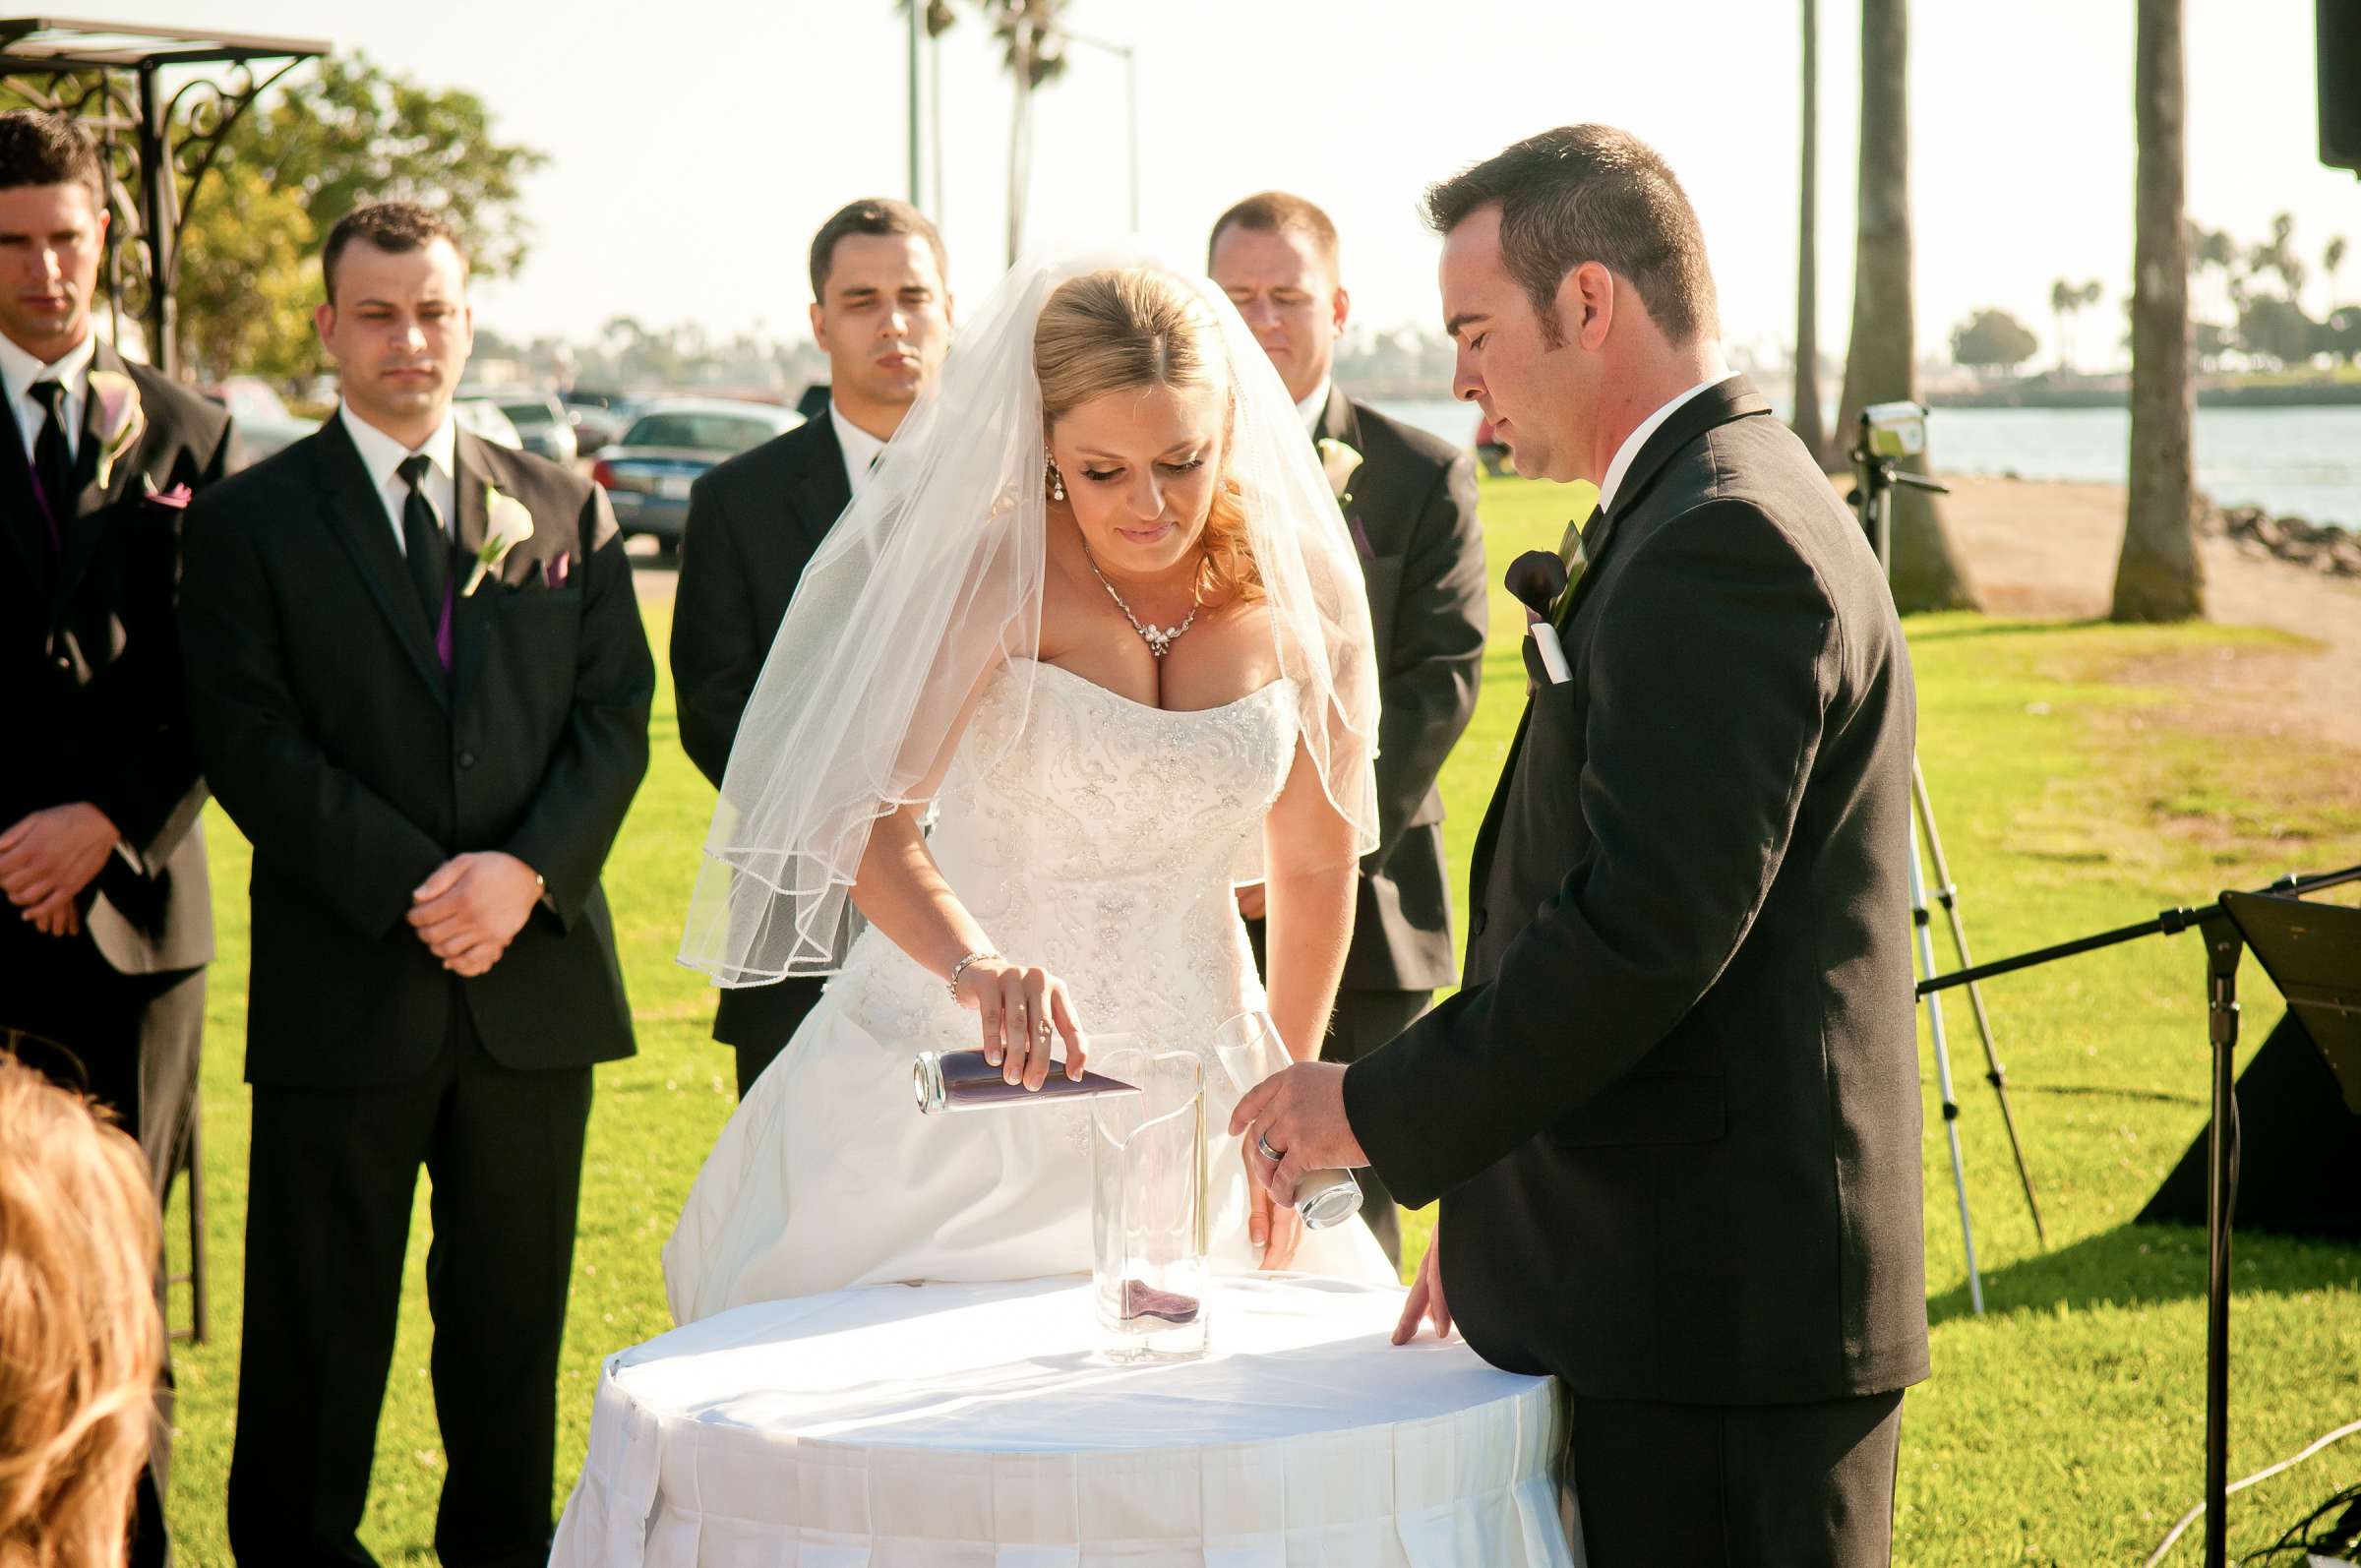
(1148, 1217)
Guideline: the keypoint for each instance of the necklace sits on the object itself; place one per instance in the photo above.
(1159, 640)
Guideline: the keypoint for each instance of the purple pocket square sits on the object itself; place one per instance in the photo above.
(554, 570)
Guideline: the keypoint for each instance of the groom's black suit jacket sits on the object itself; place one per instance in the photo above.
(331, 737)
(754, 524)
(1674, 1116)
(91, 660)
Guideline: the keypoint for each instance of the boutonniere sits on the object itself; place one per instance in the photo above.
(506, 524)
(176, 498)
(1340, 463)
(121, 420)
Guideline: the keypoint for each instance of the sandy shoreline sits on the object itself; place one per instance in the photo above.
(2047, 549)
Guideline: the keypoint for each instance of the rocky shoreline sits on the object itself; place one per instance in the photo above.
(2322, 547)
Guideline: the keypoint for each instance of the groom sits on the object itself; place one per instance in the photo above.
(420, 690)
(1673, 1113)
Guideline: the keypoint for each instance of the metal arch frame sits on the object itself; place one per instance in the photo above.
(177, 136)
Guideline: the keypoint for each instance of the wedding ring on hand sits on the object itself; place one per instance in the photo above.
(1262, 1141)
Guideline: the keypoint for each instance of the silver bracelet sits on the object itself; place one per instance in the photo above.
(960, 968)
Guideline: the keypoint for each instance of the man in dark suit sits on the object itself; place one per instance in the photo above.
(1674, 1116)
(883, 316)
(110, 922)
(1410, 502)
(420, 689)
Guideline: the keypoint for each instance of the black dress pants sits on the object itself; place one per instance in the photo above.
(332, 1172)
(1762, 1485)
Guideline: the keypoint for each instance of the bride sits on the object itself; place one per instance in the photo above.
(1098, 615)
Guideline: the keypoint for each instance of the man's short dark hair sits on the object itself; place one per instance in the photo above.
(40, 149)
(871, 214)
(1273, 213)
(394, 226)
(1591, 193)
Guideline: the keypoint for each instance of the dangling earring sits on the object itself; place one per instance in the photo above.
(1056, 479)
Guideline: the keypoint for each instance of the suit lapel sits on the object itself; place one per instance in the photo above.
(472, 480)
(357, 517)
(823, 491)
(27, 534)
(1732, 398)
(1339, 421)
(79, 534)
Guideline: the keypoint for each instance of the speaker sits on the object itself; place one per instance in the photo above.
(2340, 83)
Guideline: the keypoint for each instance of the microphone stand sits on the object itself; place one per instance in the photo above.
(2224, 946)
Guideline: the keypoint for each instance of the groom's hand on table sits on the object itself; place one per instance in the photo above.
(1024, 1010)
(1273, 1227)
(1426, 1300)
(1299, 1114)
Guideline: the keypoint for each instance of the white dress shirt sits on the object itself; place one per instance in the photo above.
(861, 448)
(19, 371)
(1626, 454)
(382, 456)
(1312, 408)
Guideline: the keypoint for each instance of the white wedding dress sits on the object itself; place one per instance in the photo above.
(1100, 845)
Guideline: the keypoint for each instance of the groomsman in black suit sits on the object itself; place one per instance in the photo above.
(1410, 503)
(882, 314)
(108, 923)
(420, 689)
(1673, 1113)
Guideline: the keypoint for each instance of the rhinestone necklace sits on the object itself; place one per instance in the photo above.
(1157, 639)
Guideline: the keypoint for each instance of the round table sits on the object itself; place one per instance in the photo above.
(975, 1425)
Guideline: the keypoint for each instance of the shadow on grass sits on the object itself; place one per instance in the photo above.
(2144, 1265)
(1997, 629)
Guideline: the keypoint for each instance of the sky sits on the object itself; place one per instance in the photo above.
(696, 145)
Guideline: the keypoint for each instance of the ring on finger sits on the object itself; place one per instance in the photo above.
(1262, 1141)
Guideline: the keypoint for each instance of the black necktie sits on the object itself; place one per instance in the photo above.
(422, 538)
(53, 454)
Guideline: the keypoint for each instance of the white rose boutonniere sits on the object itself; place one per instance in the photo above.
(506, 524)
(1341, 462)
(121, 419)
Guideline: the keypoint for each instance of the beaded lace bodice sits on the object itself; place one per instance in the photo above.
(1098, 845)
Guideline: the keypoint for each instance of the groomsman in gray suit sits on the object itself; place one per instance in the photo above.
(1409, 505)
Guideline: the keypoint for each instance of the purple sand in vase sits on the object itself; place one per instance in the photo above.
(1141, 1299)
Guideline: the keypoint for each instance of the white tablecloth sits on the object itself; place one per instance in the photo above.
(974, 1424)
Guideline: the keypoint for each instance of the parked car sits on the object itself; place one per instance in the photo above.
(483, 417)
(597, 416)
(265, 424)
(647, 472)
(540, 421)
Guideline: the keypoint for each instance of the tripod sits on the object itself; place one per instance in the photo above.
(2228, 928)
(1875, 499)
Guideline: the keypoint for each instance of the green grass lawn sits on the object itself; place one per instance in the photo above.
(2064, 1426)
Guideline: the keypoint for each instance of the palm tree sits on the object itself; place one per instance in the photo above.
(1881, 363)
(1808, 428)
(2331, 261)
(2159, 576)
(1035, 41)
(2062, 300)
(1032, 35)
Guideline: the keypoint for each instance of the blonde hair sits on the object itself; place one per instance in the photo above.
(1128, 327)
(79, 1336)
